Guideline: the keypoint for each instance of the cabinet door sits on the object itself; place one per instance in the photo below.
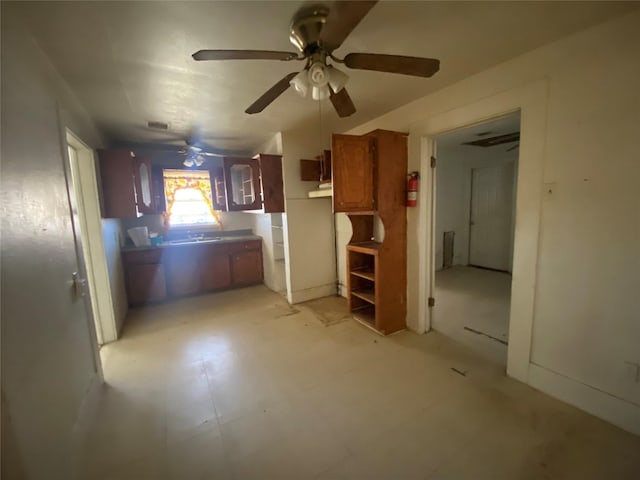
(146, 283)
(242, 178)
(353, 169)
(218, 189)
(184, 270)
(215, 271)
(116, 179)
(246, 267)
(157, 180)
(272, 186)
(144, 185)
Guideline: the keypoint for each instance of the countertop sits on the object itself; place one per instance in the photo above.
(204, 241)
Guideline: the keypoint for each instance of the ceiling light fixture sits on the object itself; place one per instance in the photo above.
(199, 160)
(188, 162)
(321, 78)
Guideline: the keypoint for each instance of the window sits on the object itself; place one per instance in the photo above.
(188, 196)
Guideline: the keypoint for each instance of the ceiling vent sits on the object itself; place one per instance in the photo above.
(158, 125)
(497, 140)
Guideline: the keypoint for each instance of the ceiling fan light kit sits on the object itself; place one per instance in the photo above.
(316, 32)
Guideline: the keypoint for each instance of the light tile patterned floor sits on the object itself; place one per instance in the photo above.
(238, 386)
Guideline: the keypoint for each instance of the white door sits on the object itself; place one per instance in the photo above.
(490, 222)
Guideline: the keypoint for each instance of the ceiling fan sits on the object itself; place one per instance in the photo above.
(317, 31)
(195, 155)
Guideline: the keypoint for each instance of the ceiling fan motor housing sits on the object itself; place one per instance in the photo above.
(306, 27)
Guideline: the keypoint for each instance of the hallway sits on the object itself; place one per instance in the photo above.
(241, 385)
(472, 307)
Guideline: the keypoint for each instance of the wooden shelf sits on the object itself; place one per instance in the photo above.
(366, 315)
(322, 192)
(368, 273)
(277, 226)
(369, 247)
(369, 174)
(366, 295)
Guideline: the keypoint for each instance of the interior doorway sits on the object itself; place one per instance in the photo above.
(82, 170)
(475, 185)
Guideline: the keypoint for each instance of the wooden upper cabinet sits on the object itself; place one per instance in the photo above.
(116, 178)
(242, 179)
(272, 185)
(127, 184)
(218, 189)
(143, 178)
(353, 168)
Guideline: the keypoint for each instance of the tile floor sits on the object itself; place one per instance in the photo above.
(239, 385)
(478, 299)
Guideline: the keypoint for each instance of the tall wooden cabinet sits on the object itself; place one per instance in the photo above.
(369, 185)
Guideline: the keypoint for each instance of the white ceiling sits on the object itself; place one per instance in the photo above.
(130, 62)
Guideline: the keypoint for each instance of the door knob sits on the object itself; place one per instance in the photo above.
(79, 284)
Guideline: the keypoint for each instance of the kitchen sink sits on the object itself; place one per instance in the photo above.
(183, 241)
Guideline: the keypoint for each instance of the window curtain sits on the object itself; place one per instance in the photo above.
(175, 180)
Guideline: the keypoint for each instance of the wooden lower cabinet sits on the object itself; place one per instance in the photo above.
(216, 272)
(146, 283)
(246, 268)
(184, 270)
(156, 274)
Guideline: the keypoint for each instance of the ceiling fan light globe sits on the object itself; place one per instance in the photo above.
(188, 162)
(300, 83)
(199, 160)
(320, 93)
(318, 75)
(337, 79)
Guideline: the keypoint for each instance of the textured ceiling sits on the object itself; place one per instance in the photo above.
(130, 62)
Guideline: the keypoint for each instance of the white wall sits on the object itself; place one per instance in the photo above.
(453, 193)
(586, 261)
(47, 355)
(309, 231)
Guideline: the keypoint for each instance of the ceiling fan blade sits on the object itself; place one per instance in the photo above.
(271, 94)
(243, 55)
(342, 19)
(416, 66)
(342, 103)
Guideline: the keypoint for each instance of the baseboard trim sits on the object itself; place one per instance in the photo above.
(598, 403)
(307, 294)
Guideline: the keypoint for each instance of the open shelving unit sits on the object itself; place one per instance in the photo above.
(277, 235)
(376, 271)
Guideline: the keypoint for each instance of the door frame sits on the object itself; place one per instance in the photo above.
(531, 101)
(84, 182)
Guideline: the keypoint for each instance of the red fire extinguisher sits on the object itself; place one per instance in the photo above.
(412, 189)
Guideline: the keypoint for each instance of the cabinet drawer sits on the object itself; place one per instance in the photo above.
(238, 247)
(140, 257)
